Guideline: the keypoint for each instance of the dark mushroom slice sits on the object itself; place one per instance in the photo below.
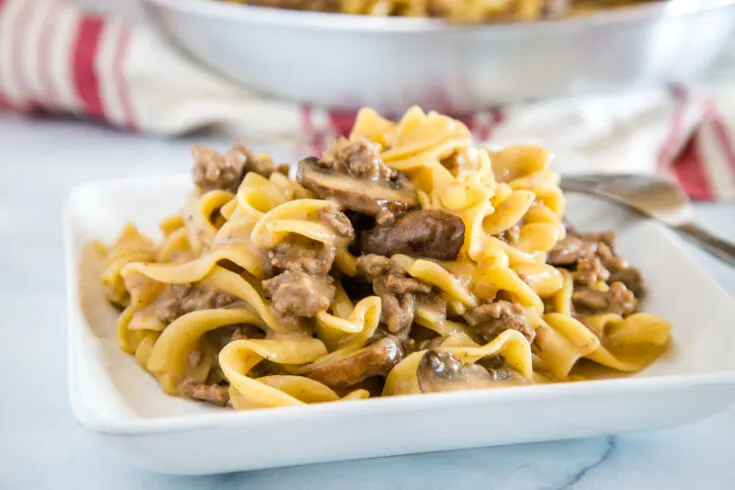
(376, 359)
(429, 233)
(368, 196)
(440, 371)
(491, 319)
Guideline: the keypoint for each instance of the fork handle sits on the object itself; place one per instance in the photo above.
(715, 246)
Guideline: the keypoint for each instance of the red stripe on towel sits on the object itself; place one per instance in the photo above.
(86, 82)
(689, 171)
(342, 121)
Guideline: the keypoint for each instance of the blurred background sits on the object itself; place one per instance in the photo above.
(607, 85)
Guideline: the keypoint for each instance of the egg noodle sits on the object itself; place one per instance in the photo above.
(242, 347)
(454, 10)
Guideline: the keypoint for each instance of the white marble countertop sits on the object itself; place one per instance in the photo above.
(41, 446)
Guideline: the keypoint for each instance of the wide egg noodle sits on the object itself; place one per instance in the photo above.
(198, 212)
(130, 246)
(628, 344)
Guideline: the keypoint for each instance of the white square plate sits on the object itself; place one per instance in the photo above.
(111, 395)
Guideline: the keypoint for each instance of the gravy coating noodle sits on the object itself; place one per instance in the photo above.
(404, 260)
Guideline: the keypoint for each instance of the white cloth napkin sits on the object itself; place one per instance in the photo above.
(61, 58)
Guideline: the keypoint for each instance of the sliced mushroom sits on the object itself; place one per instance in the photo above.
(374, 360)
(372, 197)
(440, 371)
(429, 233)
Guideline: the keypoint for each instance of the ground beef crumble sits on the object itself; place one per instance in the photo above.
(298, 294)
(603, 281)
(212, 393)
(213, 170)
(491, 319)
(398, 292)
(179, 299)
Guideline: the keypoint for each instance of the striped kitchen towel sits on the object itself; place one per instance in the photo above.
(58, 58)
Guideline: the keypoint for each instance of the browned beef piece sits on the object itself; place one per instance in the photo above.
(337, 220)
(632, 278)
(181, 299)
(216, 394)
(620, 270)
(374, 266)
(360, 158)
(397, 284)
(263, 166)
(617, 299)
(302, 255)
(299, 294)
(595, 259)
(353, 174)
(168, 306)
(589, 271)
(430, 233)
(389, 275)
(492, 319)
(569, 250)
(608, 257)
(397, 291)
(212, 170)
(392, 278)
(397, 312)
(606, 237)
(376, 359)
(203, 298)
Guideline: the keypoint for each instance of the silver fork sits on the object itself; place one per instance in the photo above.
(656, 196)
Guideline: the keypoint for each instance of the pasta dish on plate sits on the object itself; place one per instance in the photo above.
(402, 261)
(454, 10)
